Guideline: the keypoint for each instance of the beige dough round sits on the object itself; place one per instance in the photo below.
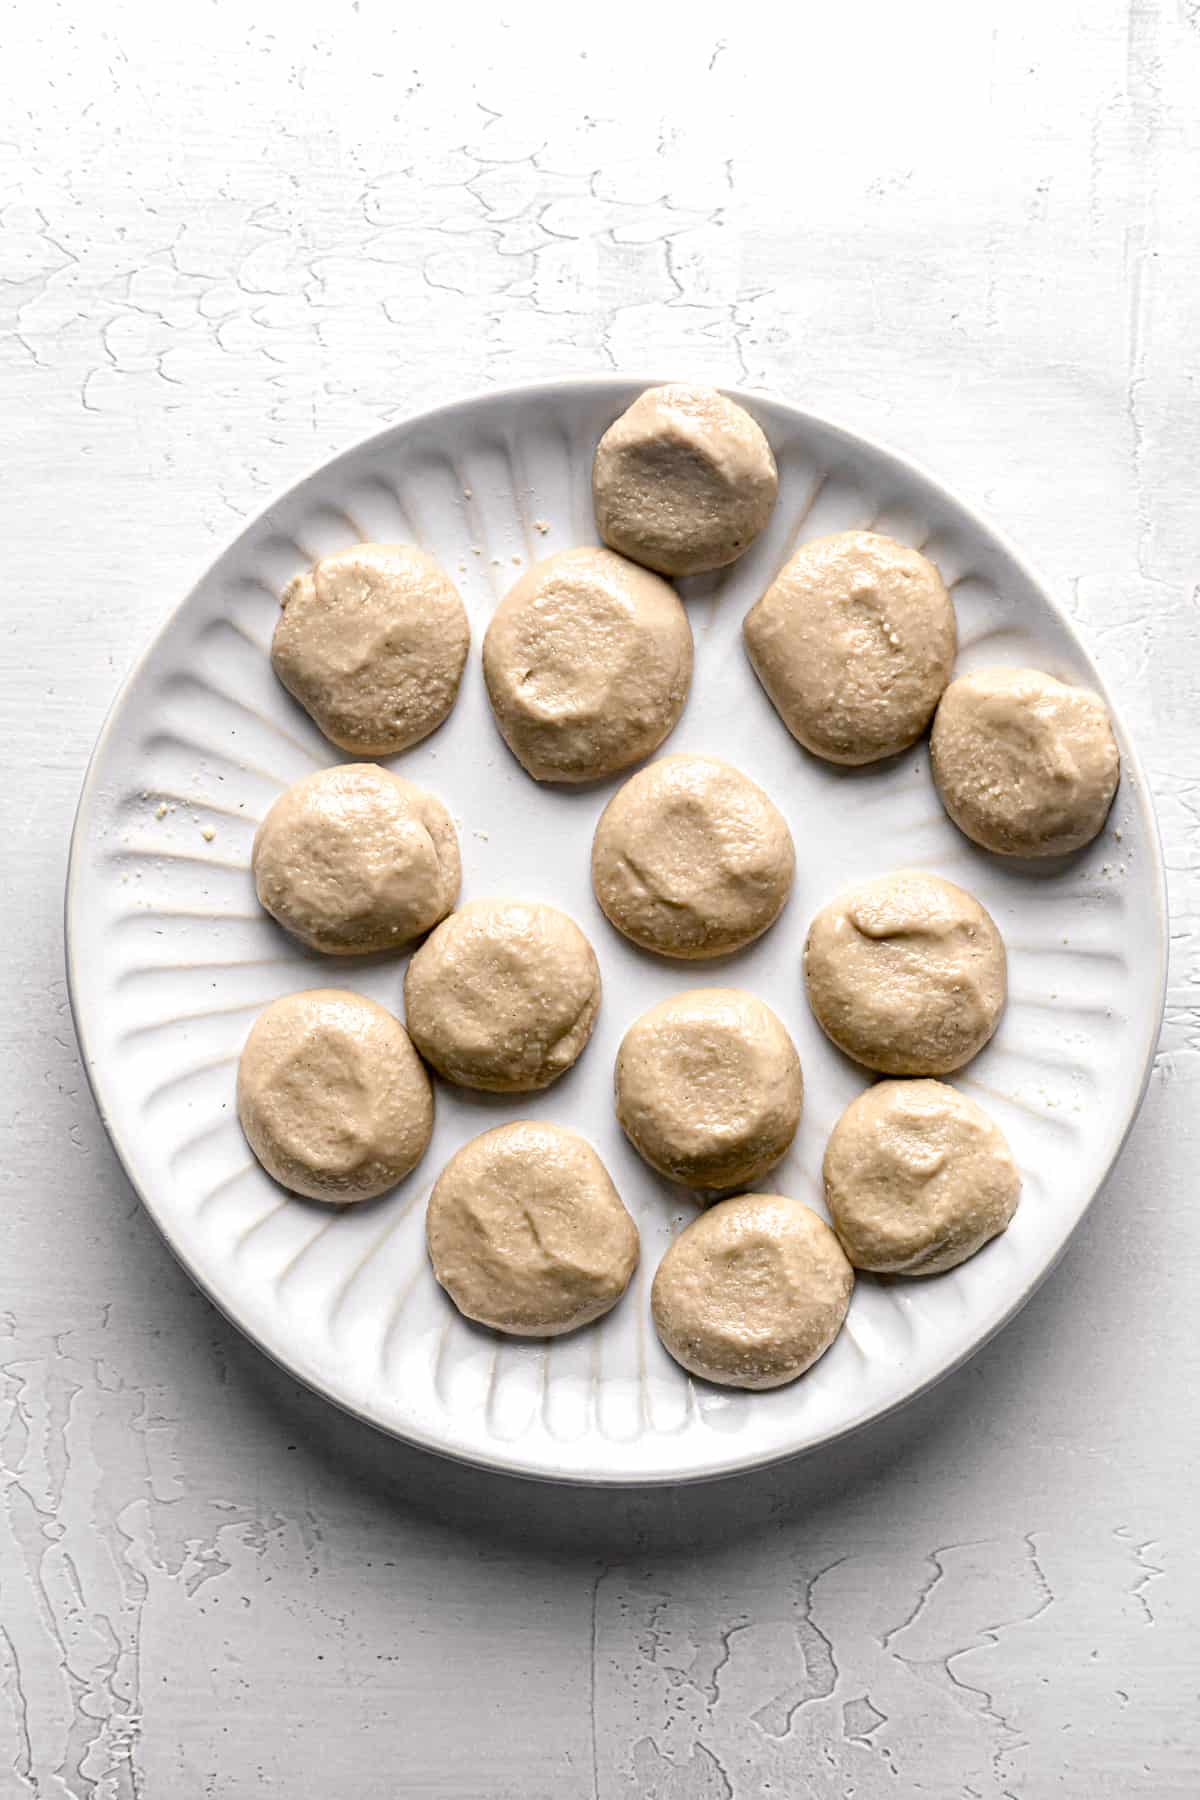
(906, 973)
(917, 1178)
(372, 641)
(332, 1096)
(527, 1233)
(354, 859)
(752, 1292)
(691, 858)
(854, 642)
(708, 1088)
(587, 661)
(1024, 764)
(503, 995)
(683, 481)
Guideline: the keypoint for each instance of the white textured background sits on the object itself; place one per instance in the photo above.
(226, 250)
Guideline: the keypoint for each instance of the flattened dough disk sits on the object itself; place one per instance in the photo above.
(691, 858)
(527, 1233)
(683, 481)
(906, 973)
(708, 1088)
(354, 859)
(917, 1178)
(587, 661)
(503, 996)
(854, 642)
(332, 1097)
(1025, 765)
(752, 1292)
(372, 641)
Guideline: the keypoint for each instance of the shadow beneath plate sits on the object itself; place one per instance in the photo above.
(567, 1523)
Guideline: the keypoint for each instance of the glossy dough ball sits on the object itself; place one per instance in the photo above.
(854, 642)
(1025, 765)
(708, 1088)
(906, 974)
(354, 859)
(503, 996)
(372, 641)
(587, 662)
(752, 1292)
(527, 1233)
(917, 1178)
(683, 481)
(332, 1096)
(691, 858)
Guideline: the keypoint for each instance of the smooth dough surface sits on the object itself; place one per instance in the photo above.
(587, 661)
(1025, 765)
(854, 642)
(332, 1097)
(354, 859)
(372, 641)
(527, 1233)
(691, 858)
(752, 1292)
(683, 481)
(503, 995)
(917, 1178)
(906, 973)
(708, 1087)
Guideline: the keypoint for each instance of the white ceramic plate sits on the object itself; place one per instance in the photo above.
(170, 958)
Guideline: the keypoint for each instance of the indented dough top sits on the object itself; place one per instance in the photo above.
(684, 480)
(354, 859)
(372, 641)
(906, 973)
(587, 661)
(917, 1178)
(1025, 765)
(752, 1292)
(332, 1096)
(691, 858)
(708, 1087)
(527, 1233)
(503, 996)
(854, 641)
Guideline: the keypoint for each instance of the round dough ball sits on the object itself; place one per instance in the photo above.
(332, 1096)
(503, 995)
(372, 641)
(587, 661)
(752, 1292)
(527, 1233)
(354, 859)
(906, 974)
(691, 858)
(917, 1178)
(708, 1088)
(1025, 765)
(854, 642)
(683, 481)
